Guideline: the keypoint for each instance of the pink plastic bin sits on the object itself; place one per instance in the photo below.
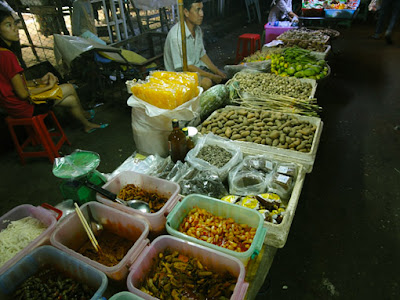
(20, 212)
(70, 235)
(149, 183)
(271, 32)
(214, 260)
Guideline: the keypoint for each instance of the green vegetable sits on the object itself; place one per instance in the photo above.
(212, 99)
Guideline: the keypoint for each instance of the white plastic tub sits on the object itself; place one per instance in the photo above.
(48, 256)
(149, 183)
(20, 212)
(70, 236)
(214, 260)
(304, 159)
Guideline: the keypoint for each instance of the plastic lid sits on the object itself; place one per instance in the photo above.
(78, 163)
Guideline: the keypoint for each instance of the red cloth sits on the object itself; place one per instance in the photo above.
(14, 106)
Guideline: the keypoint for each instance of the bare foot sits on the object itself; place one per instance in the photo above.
(92, 126)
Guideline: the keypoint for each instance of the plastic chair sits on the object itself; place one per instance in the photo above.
(242, 51)
(38, 134)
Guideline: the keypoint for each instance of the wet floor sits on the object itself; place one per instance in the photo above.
(344, 242)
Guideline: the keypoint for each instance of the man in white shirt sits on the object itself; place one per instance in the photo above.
(197, 58)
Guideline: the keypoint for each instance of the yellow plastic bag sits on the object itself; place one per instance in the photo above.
(167, 90)
(53, 94)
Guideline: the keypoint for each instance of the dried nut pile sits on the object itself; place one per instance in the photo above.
(261, 127)
(223, 232)
(215, 155)
(261, 84)
(314, 40)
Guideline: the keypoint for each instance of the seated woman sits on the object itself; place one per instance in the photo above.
(14, 93)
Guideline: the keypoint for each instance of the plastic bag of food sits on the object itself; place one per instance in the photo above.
(204, 183)
(215, 154)
(212, 99)
(244, 181)
(167, 90)
(282, 185)
(259, 162)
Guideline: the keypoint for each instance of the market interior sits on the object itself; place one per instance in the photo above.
(345, 238)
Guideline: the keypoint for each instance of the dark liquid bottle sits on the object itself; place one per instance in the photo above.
(177, 143)
(189, 141)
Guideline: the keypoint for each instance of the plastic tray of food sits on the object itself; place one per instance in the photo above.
(20, 212)
(219, 208)
(215, 261)
(125, 296)
(277, 234)
(44, 258)
(303, 158)
(164, 188)
(71, 237)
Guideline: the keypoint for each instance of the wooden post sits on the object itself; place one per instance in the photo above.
(183, 35)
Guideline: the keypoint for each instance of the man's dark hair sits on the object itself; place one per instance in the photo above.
(188, 3)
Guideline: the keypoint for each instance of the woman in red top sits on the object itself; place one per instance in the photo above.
(14, 94)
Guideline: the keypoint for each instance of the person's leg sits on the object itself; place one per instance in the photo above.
(393, 19)
(71, 100)
(383, 14)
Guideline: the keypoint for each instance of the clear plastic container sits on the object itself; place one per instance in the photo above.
(48, 256)
(149, 183)
(20, 212)
(125, 296)
(240, 214)
(214, 260)
(70, 235)
(272, 32)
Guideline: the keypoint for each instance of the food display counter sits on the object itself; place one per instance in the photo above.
(228, 207)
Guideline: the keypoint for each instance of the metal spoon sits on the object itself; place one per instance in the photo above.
(96, 226)
(135, 204)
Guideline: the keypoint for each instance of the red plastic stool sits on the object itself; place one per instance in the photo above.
(244, 40)
(38, 134)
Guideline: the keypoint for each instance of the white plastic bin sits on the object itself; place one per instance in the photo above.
(214, 260)
(23, 211)
(305, 159)
(149, 183)
(48, 256)
(70, 235)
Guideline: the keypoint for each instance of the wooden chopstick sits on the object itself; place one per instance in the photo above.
(87, 228)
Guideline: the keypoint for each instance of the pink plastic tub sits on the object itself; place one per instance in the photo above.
(70, 235)
(214, 260)
(20, 212)
(271, 31)
(149, 183)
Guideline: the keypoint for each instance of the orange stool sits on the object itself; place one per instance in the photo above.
(38, 134)
(244, 40)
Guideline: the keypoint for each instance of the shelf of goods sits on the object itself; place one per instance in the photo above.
(344, 13)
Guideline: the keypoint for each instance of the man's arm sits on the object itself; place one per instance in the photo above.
(207, 61)
(214, 77)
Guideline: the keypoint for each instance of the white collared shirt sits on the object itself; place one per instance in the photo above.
(173, 48)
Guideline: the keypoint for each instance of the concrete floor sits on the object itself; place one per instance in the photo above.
(345, 238)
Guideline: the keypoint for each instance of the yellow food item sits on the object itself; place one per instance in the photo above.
(167, 90)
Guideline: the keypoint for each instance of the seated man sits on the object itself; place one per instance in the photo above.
(197, 58)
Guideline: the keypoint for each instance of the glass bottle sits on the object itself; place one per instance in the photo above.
(177, 143)
(189, 141)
